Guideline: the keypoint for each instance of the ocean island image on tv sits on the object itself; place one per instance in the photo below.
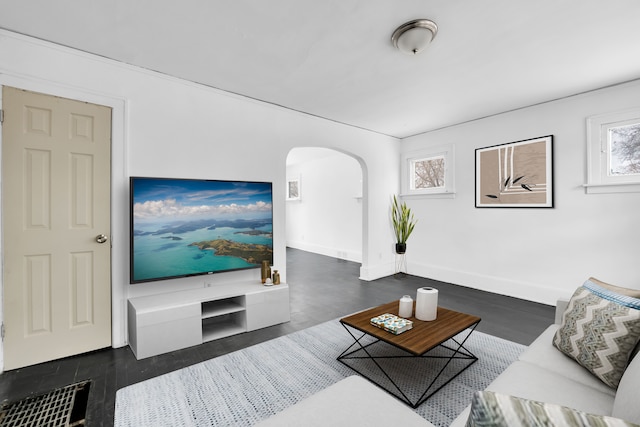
(184, 227)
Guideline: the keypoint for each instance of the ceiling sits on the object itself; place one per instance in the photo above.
(334, 58)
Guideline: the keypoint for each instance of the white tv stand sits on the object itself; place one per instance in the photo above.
(171, 321)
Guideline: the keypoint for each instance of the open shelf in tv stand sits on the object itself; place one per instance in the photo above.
(170, 321)
(222, 318)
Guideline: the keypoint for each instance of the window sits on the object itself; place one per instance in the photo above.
(624, 151)
(614, 152)
(428, 172)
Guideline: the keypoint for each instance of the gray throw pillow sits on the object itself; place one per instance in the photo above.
(501, 410)
(600, 329)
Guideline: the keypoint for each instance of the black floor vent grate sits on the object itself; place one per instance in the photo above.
(63, 407)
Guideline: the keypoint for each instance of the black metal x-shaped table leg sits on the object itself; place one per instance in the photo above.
(458, 351)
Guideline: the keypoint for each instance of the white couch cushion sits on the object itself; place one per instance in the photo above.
(531, 381)
(350, 402)
(626, 404)
(542, 353)
(528, 381)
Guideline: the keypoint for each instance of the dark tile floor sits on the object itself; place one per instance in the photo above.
(321, 289)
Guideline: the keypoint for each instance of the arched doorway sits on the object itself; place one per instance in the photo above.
(324, 210)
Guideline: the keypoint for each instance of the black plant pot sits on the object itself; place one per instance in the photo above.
(401, 248)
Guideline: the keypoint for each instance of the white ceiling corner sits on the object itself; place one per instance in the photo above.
(334, 58)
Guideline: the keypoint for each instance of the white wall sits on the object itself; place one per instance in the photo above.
(535, 254)
(328, 217)
(169, 127)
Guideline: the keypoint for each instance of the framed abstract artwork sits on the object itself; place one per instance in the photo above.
(515, 175)
(293, 189)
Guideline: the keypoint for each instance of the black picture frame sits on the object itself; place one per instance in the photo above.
(515, 175)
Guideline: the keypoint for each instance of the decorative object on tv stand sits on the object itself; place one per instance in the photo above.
(265, 271)
(406, 306)
(403, 224)
(427, 304)
(276, 277)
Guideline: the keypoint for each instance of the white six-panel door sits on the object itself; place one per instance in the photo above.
(56, 227)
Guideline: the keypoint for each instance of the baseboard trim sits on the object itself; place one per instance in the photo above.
(377, 271)
(498, 285)
(338, 253)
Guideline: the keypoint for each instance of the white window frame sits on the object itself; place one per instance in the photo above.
(598, 178)
(407, 170)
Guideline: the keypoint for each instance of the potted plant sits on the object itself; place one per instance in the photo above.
(403, 223)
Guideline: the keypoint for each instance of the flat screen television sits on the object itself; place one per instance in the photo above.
(190, 227)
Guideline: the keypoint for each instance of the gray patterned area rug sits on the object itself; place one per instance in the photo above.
(246, 386)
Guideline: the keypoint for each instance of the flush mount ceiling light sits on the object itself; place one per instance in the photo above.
(414, 36)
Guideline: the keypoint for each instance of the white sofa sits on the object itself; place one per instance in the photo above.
(543, 373)
(350, 402)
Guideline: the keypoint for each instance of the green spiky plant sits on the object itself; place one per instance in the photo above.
(403, 221)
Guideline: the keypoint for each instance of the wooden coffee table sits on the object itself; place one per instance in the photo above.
(417, 342)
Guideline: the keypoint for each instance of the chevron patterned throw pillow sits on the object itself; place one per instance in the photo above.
(600, 329)
(501, 410)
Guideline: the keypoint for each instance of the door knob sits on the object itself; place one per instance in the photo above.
(101, 238)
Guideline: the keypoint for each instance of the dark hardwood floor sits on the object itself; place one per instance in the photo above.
(321, 289)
